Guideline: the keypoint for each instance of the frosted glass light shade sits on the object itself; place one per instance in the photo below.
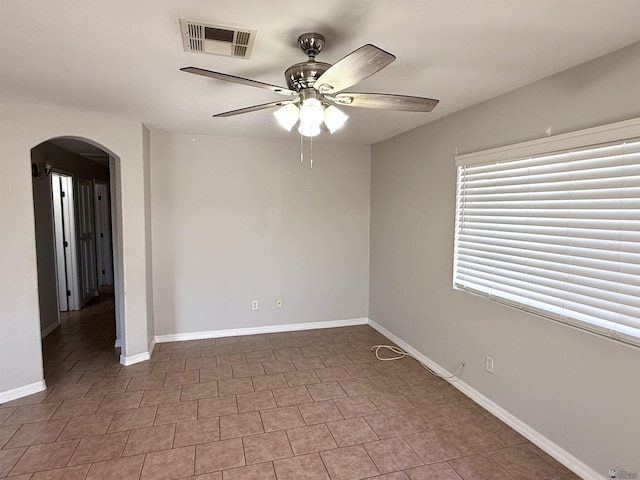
(308, 130)
(312, 112)
(334, 118)
(287, 116)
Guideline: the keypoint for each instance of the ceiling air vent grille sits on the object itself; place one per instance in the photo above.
(216, 40)
(196, 33)
(242, 38)
(240, 51)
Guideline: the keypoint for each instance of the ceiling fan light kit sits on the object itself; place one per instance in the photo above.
(334, 118)
(312, 114)
(287, 116)
(314, 88)
(307, 130)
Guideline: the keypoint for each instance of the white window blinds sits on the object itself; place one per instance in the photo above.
(555, 234)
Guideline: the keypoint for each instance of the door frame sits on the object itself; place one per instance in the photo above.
(116, 240)
(104, 242)
(86, 240)
(64, 226)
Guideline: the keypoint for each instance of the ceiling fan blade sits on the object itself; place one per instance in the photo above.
(254, 108)
(240, 80)
(356, 66)
(384, 101)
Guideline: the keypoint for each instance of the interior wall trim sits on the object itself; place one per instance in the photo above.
(234, 332)
(137, 358)
(47, 330)
(22, 391)
(542, 442)
(140, 357)
(152, 345)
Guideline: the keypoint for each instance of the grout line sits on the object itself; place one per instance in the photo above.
(173, 441)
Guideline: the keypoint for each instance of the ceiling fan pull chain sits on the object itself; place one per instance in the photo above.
(301, 149)
(311, 152)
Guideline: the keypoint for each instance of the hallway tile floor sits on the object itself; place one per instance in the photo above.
(312, 404)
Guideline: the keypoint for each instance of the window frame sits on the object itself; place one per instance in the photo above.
(552, 145)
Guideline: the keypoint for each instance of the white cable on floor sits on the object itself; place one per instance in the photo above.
(401, 354)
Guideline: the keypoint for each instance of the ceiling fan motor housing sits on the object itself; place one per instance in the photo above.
(304, 75)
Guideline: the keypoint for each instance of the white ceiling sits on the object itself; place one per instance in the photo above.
(122, 57)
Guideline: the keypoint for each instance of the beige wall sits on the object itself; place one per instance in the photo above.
(578, 390)
(22, 127)
(237, 219)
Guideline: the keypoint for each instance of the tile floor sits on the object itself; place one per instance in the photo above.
(288, 406)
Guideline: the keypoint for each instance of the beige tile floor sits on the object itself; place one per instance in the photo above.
(288, 406)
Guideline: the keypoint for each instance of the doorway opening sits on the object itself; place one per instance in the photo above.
(73, 205)
(64, 241)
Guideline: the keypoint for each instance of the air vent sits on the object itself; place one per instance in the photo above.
(216, 40)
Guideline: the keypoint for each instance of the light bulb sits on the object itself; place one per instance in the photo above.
(287, 116)
(311, 112)
(334, 118)
(308, 130)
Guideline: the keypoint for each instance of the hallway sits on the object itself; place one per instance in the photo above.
(82, 349)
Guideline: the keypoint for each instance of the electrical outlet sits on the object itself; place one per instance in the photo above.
(488, 363)
(278, 303)
(254, 304)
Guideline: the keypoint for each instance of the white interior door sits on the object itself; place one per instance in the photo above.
(104, 252)
(86, 240)
(65, 244)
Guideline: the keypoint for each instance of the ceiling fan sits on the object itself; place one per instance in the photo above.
(315, 88)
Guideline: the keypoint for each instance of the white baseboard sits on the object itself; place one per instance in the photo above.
(234, 332)
(561, 455)
(49, 329)
(118, 343)
(130, 360)
(140, 357)
(22, 391)
(152, 345)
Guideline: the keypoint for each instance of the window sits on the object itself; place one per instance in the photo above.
(552, 227)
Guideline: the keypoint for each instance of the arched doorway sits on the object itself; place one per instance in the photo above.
(128, 144)
(74, 195)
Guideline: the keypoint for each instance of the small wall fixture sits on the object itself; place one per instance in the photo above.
(35, 171)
